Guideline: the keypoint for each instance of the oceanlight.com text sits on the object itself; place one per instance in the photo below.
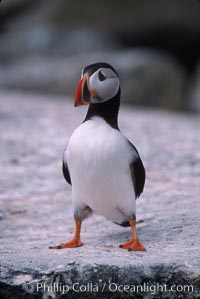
(35, 287)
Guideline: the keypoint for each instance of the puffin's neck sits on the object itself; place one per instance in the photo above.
(107, 110)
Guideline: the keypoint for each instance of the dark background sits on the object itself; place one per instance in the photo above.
(154, 45)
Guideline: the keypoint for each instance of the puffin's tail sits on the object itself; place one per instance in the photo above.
(124, 223)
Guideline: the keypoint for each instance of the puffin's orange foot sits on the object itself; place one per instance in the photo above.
(133, 245)
(71, 244)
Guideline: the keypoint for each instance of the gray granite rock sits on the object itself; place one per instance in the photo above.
(36, 208)
(108, 15)
(149, 78)
(194, 103)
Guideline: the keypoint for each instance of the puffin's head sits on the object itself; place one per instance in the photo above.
(99, 83)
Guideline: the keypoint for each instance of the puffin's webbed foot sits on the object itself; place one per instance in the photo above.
(134, 244)
(75, 242)
(71, 244)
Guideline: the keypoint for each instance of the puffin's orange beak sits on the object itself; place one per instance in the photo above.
(82, 95)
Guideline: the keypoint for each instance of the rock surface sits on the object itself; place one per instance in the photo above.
(36, 207)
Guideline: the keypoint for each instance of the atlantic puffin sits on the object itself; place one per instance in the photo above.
(104, 168)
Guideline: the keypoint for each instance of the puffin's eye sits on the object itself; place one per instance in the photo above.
(101, 76)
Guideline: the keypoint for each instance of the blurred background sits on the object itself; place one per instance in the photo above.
(154, 45)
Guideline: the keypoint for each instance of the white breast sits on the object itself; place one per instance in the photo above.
(99, 158)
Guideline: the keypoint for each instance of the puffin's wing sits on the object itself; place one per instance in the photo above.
(137, 173)
(66, 172)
